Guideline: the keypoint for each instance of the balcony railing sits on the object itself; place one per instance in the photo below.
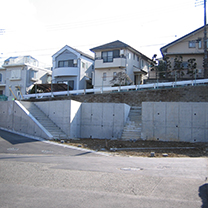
(65, 71)
(116, 63)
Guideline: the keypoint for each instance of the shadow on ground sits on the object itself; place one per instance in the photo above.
(203, 193)
(13, 139)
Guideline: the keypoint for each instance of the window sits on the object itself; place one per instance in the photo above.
(129, 55)
(192, 44)
(1, 92)
(71, 84)
(200, 44)
(83, 65)
(33, 74)
(142, 63)
(16, 74)
(104, 76)
(0, 77)
(66, 63)
(108, 56)
(185, 64)
(114, 74)
(138, 58)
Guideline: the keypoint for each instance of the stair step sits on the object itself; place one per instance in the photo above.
(132, 129)
(44, 120)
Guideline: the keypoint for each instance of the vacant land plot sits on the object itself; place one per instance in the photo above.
(142, 148)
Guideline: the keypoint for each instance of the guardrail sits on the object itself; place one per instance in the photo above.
(118, 89)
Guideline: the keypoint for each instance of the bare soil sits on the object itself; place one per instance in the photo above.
(142, 148)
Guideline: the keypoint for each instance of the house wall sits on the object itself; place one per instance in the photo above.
(182, 48)
(25, 80)
(183, 45)
(130, 61)
(76, 74)
(65, 55)
(175, 121)
(85, 71)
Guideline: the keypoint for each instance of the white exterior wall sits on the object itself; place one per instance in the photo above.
(131, 62)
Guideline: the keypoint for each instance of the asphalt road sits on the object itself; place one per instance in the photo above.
(40, 174)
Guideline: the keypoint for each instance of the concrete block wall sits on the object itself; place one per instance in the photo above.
(14, 118)
(175, 121)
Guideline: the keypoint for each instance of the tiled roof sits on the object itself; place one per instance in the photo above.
(117, 45)
(112, 45)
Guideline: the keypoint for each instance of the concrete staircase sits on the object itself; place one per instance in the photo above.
(45, 121)
(132, 129)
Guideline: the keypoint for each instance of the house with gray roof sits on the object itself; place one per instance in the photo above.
(72, 67)
(115, 57)
(19, 74)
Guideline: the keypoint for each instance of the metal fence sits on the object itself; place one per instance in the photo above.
(119, 88)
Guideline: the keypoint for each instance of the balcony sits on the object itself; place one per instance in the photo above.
(116, 63)
(65, 71)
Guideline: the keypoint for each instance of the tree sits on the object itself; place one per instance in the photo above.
(121, 78)
(167, 66)
(162, 66)
(192, 67)
(178, 66)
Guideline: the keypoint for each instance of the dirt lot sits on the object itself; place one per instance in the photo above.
(142, 148)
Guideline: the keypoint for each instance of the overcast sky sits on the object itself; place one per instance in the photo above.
(42, 27)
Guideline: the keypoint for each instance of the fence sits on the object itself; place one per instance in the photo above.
(119, 88)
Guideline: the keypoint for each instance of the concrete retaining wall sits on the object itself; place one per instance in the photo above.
(175, 121)
(14, 118)
(87, 120)
(103, 120)
(65, 114)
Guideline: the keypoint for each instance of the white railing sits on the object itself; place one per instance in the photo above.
(118, 89)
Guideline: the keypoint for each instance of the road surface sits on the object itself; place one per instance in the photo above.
(40, 174)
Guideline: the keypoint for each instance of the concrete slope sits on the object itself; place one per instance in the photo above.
(132, 129)
(45, 121)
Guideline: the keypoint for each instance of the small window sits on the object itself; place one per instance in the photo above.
(114, 74)
(142, 63)
(0, 77)
(1, 92)
(138, 58)
(200, 44)
(192, 44)
(33, 74)
(185, 64)
(104, 76)
(83, 65)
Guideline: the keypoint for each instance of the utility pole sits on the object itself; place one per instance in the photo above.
(205, 42)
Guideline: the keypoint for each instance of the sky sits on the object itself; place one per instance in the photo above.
(40, 28)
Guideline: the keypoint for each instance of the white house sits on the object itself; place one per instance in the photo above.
(19, 74)
(72, 67)
(115, 57)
